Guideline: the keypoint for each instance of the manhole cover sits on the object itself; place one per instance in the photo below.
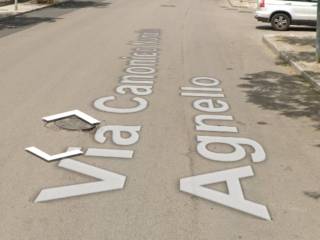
(74, 124)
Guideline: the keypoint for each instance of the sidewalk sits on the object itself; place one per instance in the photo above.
(298, 49)
(249, 4)
(8, 10)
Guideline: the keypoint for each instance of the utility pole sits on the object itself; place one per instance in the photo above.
(15, 5)
(318, 33)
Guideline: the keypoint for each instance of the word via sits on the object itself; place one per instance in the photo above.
(139, 79)
(212, 107)
(107, 180)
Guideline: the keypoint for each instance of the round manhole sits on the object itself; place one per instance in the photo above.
(74, 124)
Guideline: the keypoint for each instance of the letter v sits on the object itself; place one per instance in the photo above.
(110, 181)
(234, 198)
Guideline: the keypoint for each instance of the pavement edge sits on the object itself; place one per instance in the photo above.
(4, 16)
(283, 55)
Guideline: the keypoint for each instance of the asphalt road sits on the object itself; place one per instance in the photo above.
(71, 55)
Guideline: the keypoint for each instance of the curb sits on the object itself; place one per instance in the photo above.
(32, 10)
(283, 55)
(21, 13)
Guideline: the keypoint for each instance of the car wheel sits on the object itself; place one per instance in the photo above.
(280, 22)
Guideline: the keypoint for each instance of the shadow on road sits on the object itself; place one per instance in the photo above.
(300, 41)
(292, 28)
(82, 4)
(21, 21)
(50, 14)
(288, 94)
(302, 56)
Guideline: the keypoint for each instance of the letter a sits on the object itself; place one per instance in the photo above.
(234, 199)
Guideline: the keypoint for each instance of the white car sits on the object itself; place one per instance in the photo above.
(282, 13)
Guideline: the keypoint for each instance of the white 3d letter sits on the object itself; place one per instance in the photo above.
(39, 153)
(83, 116)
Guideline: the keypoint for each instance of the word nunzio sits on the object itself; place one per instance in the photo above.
(139, 77)
(209, 103)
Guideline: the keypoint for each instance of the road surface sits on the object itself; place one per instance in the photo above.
(75, 55)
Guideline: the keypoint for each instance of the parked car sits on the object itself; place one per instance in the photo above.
(283, 13)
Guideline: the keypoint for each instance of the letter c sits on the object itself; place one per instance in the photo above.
(100, 105)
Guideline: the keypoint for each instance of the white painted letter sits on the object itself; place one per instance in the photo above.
(113, 153)
(100, 104)
(210, 81)
(140, 70)
(145, 54)
(238, 151)
(201, 126)
(142, 62)
(137, 90)
(234, 198)
(109, 181)
(209, 105)
(137, 79)
(116, 134)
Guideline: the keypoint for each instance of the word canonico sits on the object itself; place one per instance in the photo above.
(140, 74)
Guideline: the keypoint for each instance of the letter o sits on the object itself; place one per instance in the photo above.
(197, 81)
(140, 70)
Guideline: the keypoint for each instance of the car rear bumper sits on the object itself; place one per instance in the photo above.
(262, 16)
